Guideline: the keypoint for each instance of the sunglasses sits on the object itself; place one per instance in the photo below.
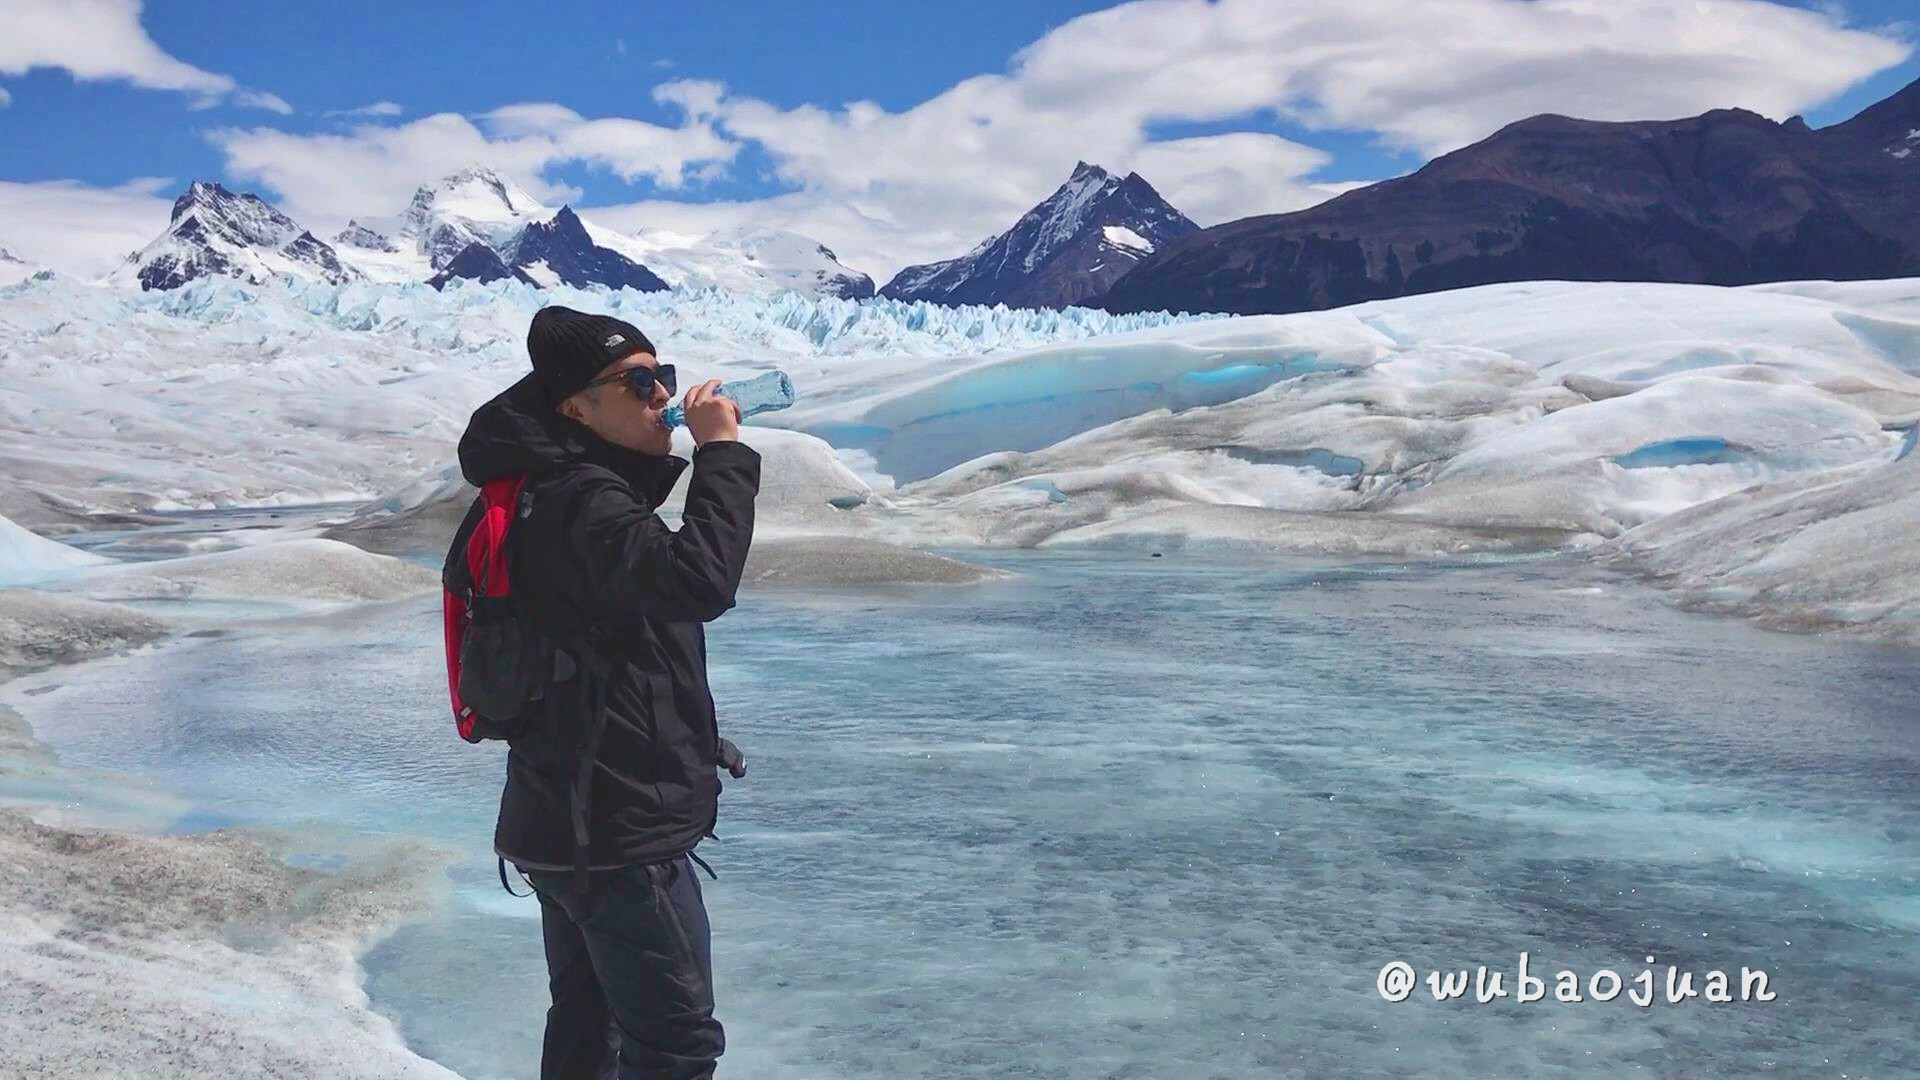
(640, 380)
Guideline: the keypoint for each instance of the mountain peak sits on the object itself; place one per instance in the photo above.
(1084, 171)
(217, 233)
(562, 250)
(1073, 244)
(474, 205)
(477, 192)
(200, 193)
(476, 171)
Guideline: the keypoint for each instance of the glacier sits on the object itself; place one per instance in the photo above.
(1523, 417)
(328, 394)
(257, 481)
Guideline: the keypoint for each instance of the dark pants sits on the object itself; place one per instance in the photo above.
(632, 953)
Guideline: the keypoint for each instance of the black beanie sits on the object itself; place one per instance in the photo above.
(569, 347)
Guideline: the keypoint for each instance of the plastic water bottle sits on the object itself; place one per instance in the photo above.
(763, 393)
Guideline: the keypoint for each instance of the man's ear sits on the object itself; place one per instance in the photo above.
(570, 408)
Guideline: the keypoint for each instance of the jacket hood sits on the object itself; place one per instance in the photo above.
(517, 433)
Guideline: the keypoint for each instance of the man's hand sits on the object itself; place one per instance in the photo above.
(711, 418)
(732, 760)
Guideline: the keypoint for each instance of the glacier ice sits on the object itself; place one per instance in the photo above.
(1831, 549)
(312, 569)
(112, 944)
(1599, 467)
(328, 394)
(804, 487)
(40, 629)
(1487, 418)
(26, 558)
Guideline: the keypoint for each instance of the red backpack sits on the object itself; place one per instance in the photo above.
(497, 666)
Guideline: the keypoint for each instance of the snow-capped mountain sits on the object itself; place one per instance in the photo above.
(475, 205)
(14, 269)
(561, 251)
(215, 232)
(528, 240)
(435, 238)
(1082, 239)
(751, 259)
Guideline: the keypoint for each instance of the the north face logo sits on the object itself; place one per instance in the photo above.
(615, 339)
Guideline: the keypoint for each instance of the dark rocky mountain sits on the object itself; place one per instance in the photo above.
(478, 262)
(1725, 198)
(214, 232)
(570, 255)
(1081, 239)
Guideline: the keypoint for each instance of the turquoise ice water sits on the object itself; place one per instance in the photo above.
(763, 393)
(1157, 818)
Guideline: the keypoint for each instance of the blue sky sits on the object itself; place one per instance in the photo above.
(1229, 108)
(478, 54)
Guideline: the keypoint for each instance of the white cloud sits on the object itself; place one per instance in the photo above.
(378, 109)
(103, 40)
(886, 188)
(260, 99)
(1221, 177)
(1434, 77)
(81, 230)
(251, 99)
(698, 98)
(6, 98)
(620, 46)
(374, 169)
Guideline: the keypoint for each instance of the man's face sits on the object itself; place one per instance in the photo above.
(615, 413)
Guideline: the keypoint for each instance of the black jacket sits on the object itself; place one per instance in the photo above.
(592, 563)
